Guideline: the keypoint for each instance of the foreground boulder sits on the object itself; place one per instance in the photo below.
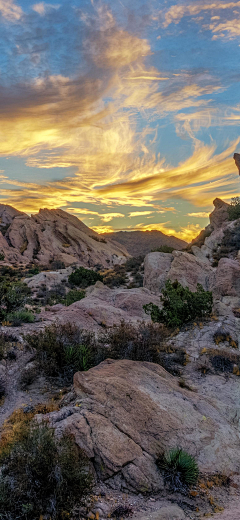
(126, 412)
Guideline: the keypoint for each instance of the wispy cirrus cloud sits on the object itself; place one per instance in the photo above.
(42, 7)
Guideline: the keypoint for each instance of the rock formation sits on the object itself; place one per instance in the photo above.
(126, 412)
(54, 235)
(236, 157)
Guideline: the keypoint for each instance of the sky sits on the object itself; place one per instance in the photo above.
(124, 113)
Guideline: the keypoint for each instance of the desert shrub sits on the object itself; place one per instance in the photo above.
(22, 316)
(13, 295)
(2, 389)
(41, 475)
(84, 277)
(74, 296)
(234, 209)
(115, 277)
(180, 305)
(56, 265)
(163, 249)
(180, 469)
(28, 376)
(2, 257)
(143, 342)
(63, 349)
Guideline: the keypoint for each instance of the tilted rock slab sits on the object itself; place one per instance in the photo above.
(126, 412)
(55, 235)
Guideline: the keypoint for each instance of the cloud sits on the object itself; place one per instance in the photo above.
(10, 11)
(200, 214)
(139, 213)
(103, 229)
(185, 233)
(177, 12)
(42, 8)
(107, 217)
(225, 25)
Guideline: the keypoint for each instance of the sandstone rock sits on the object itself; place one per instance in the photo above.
(156, 269)
(181, 266)
(219, 216)
(227, 281)
(104, 307)
(127, 412)
(48, 279)
(190, 271)
(55, 234)
(236, 157)
(170, 512)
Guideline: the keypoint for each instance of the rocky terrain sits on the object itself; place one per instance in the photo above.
(140, 243)
(124, 412)
(53, 235)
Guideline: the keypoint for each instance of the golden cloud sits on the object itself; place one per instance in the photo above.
(199, 214)
(177, 12)
(186, 233)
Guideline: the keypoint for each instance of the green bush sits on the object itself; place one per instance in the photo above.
(84, 277)
(234, 209)
(13, 295)
(41, 475)
(63, 349)
(179, 468)
(74, 296)
(180, 305)
(22, 316)
(2, 257)
(163, 249)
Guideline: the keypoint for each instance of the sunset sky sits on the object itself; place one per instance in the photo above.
(124, 113)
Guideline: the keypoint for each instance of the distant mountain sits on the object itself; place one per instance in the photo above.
(52, 235)
(142, 242)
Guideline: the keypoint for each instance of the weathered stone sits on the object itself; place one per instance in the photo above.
(169, 512)
(156, 269)
(55, 235)
(219, 216)
(190, 271)
(127, 412)
(227, 281)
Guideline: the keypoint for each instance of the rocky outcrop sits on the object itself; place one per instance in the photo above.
(54, 235)
(126, 412)
(220, 215)
(181, 266)
(103, 307)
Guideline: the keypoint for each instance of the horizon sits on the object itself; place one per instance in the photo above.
(124, 114)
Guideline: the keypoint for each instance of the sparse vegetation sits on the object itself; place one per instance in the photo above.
(41, 474)
(180, 469)
(84, 277)
(2, 257)
(163, 249)
(22, 316)
(180, 305)
(119, 274)
(74, 295)
(234, 208)
(62, 350)
(13, 296)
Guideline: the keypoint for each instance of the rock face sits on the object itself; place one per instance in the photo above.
(104, 307)
(126, 412)
(54, 235)
(187, 269)
(219, 216)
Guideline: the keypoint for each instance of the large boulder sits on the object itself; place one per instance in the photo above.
(156, 269)
(220, 215)
(227, 282)
(184, 267)
(127, 412)
(104, 307)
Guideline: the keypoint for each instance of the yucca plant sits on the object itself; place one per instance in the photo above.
(179, 468)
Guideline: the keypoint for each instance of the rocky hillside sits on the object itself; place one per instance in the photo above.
(53, 235)
(143, 242)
